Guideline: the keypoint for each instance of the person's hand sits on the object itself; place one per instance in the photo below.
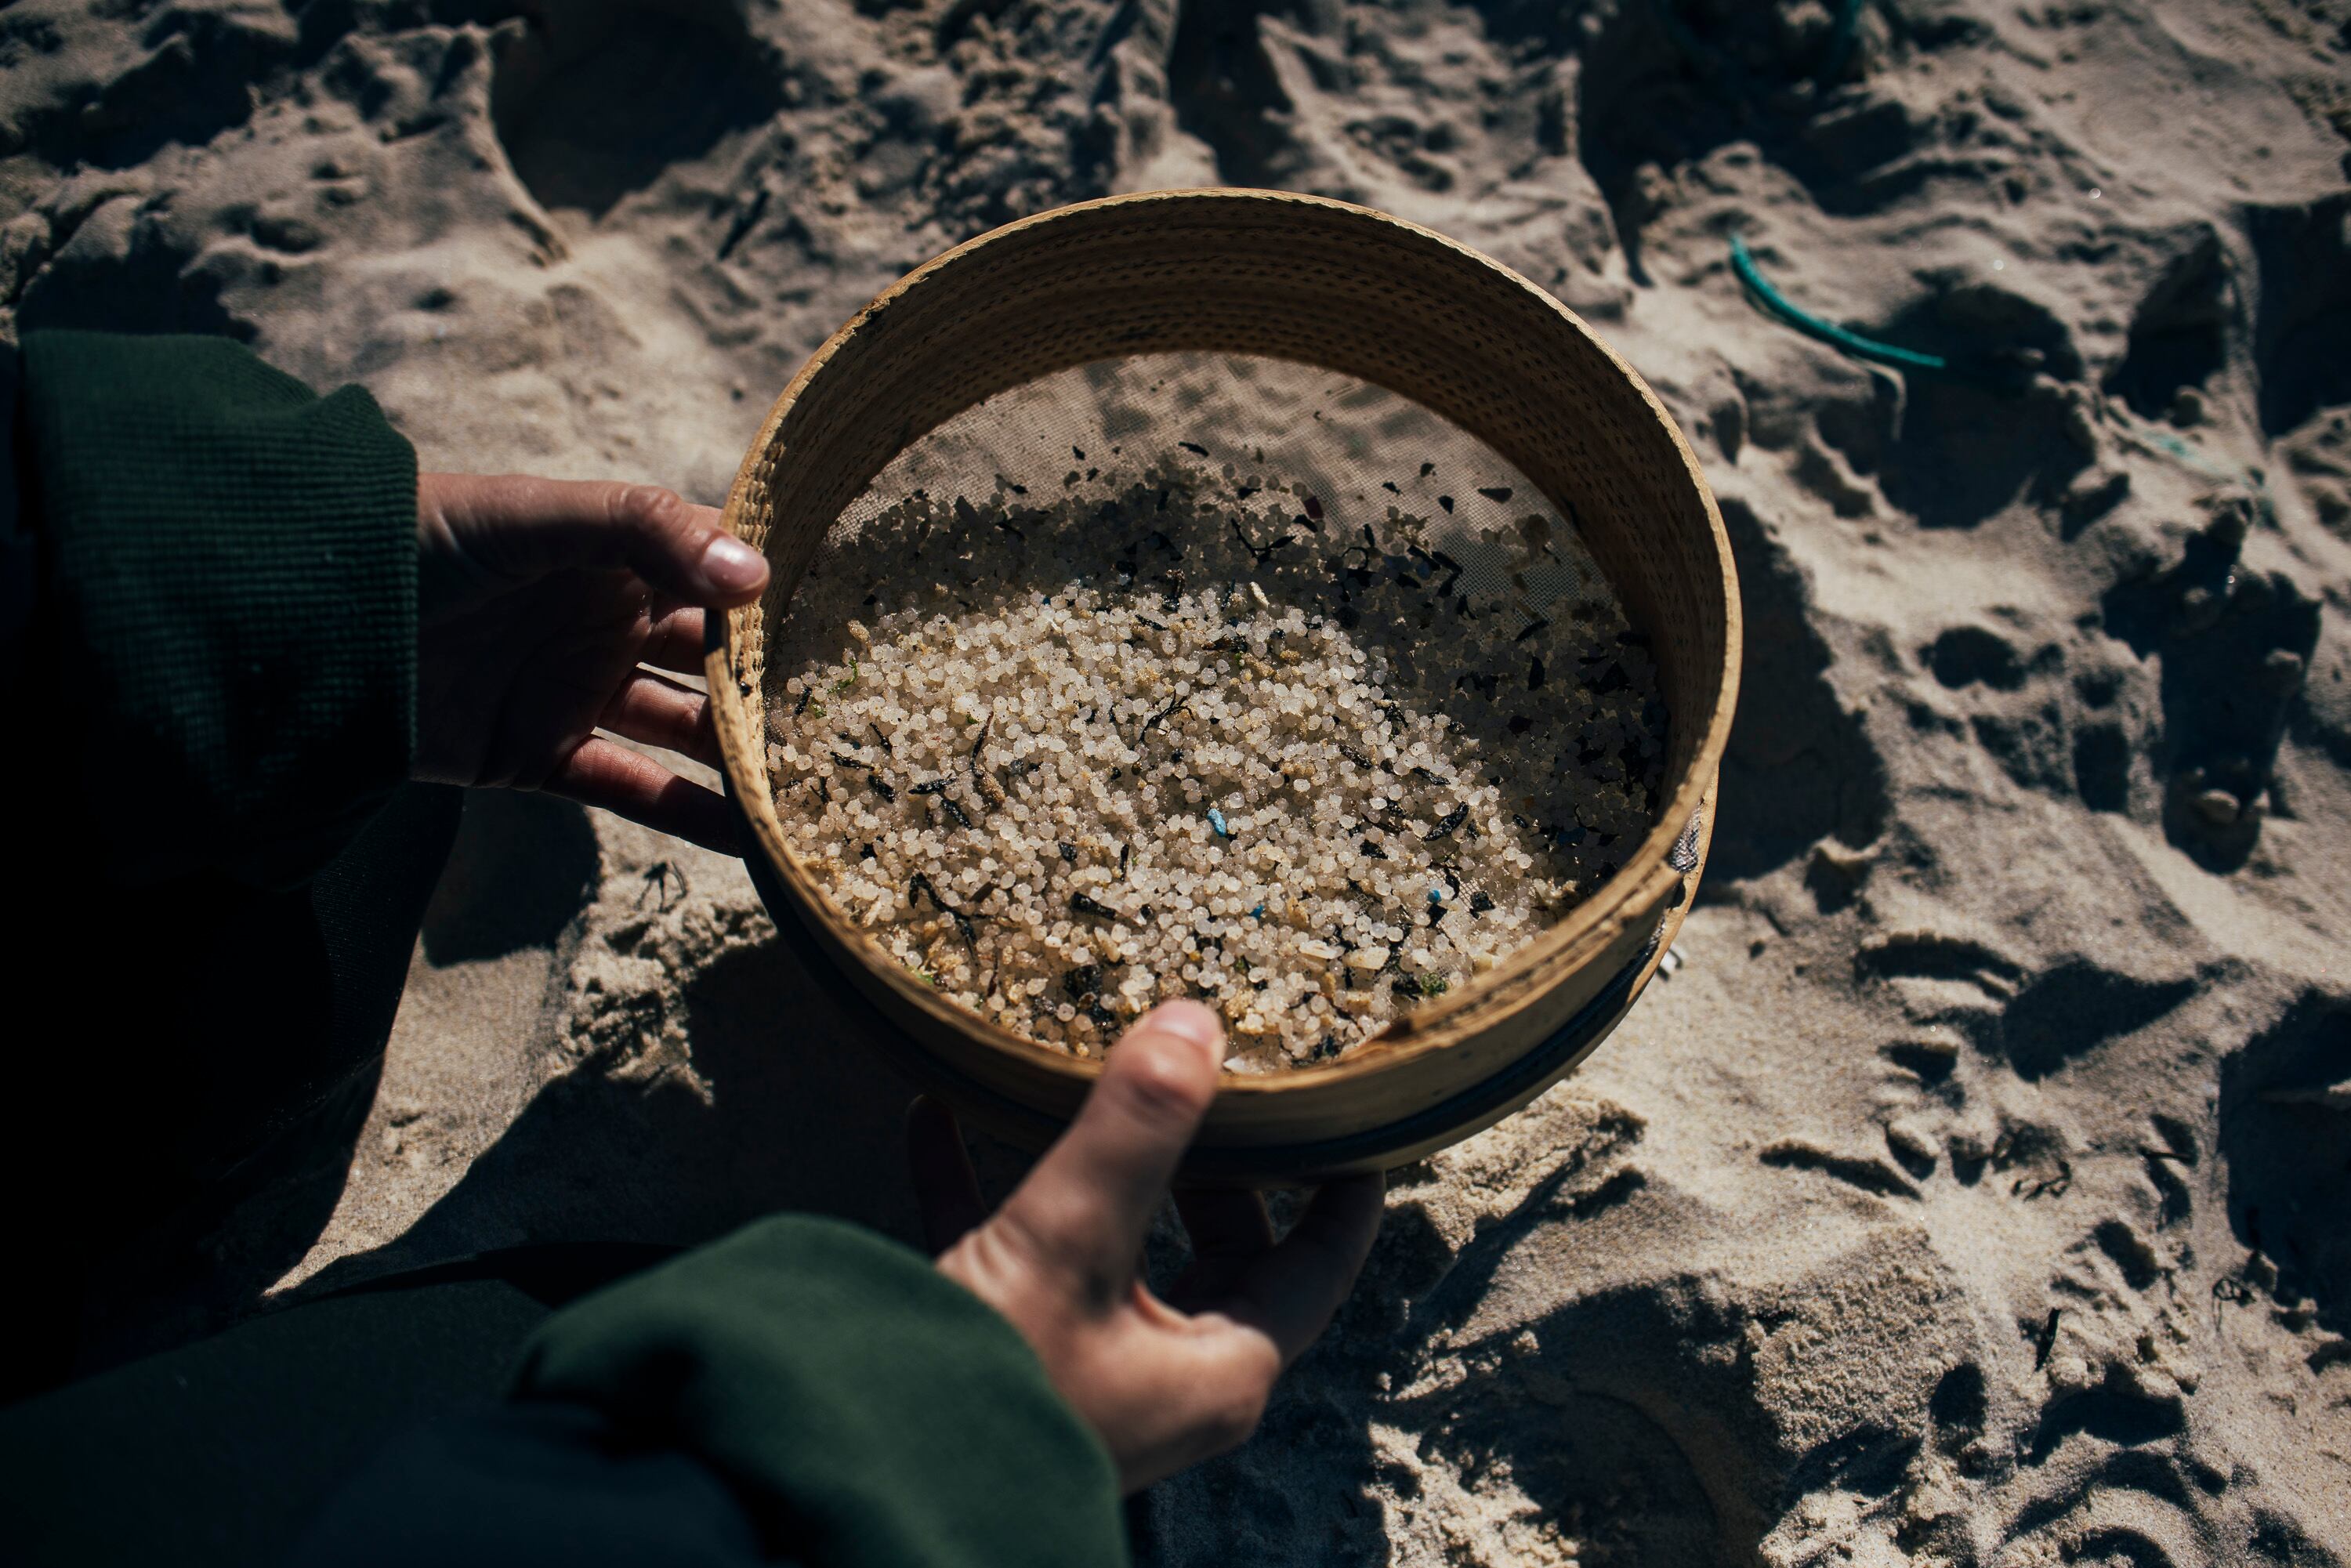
(1165, 1384)
(537, 601)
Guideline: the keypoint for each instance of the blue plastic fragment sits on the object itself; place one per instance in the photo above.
(1217, 821)
(1436, 895)
(1258, 911)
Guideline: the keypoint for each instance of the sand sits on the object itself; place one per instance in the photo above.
(1971, 1191)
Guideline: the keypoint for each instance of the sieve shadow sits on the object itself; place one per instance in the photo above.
(782, 1111)
(1800, 766)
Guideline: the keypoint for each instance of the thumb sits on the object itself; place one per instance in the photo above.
(1086, 1205)
(512, 528)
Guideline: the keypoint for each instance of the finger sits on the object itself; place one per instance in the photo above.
(519, 526)
(1225, 1224)
(1204, 1392)
(600, 772)
(1082, 1211)
(1290, 1292)
(662, 713)
(675, 642)
(946, 1189)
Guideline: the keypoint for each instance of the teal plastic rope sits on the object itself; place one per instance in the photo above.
(1777, 304)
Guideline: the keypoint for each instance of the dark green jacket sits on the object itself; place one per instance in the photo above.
(208, 622)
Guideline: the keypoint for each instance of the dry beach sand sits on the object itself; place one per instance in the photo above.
(1973, 1190)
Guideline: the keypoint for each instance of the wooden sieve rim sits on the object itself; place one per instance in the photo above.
(1634, 893)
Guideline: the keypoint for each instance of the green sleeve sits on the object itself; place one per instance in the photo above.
(863, 1407)
(228, 572)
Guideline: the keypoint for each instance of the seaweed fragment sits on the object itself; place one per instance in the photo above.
(1255, 554)
(1157, 719)
(982, 779)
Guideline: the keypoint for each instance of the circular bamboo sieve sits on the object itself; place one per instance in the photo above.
(1344, 287)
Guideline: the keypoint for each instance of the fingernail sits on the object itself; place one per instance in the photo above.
(732, 566)
(1188, 1021)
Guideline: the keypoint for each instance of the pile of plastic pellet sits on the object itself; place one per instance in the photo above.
(1075, 757)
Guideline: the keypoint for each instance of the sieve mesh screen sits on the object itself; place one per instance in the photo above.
(1207, 674)
(1279, 421)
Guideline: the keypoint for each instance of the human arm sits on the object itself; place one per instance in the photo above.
(811, 1393)
(239, 617)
